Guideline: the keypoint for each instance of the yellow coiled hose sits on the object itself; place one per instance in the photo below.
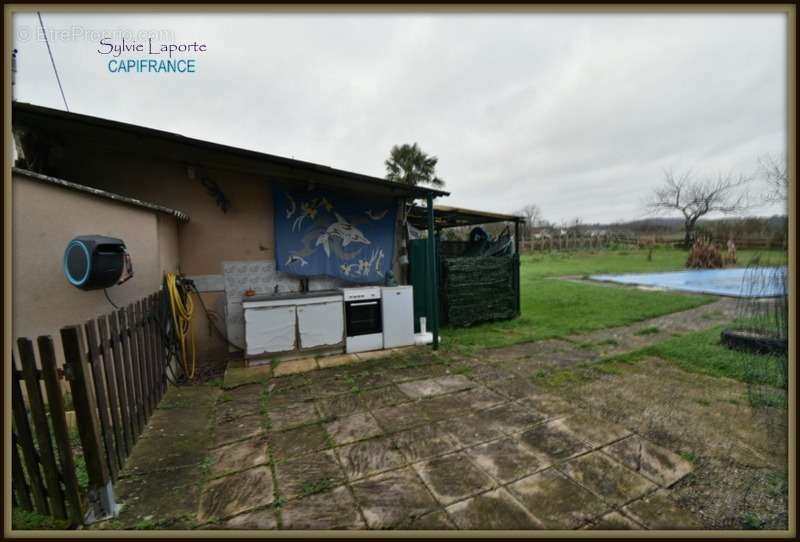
(182, 310)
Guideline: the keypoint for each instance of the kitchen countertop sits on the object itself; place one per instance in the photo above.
(292, 295)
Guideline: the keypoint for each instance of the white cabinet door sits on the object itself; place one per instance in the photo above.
(270, 329)
(321, 324)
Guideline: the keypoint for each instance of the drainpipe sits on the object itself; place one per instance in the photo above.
(432, 275)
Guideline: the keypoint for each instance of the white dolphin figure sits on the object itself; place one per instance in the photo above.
(295, 259)
(344, 231)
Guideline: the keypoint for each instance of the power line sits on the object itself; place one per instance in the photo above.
(52, 61)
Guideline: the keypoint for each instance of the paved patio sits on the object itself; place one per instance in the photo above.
(418, 440)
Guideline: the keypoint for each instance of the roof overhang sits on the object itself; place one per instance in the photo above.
(452, 217)
(181, 149)
(179, 215)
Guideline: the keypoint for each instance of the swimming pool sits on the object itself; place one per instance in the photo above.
(726, 282)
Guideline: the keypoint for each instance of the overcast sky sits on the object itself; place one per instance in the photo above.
(578, 114)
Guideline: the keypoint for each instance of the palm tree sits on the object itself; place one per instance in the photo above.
(408, 164)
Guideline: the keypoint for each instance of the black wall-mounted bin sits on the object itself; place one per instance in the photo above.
(92, 262)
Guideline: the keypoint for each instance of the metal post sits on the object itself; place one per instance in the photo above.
(432, 274)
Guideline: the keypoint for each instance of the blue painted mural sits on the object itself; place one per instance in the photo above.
(320, 233)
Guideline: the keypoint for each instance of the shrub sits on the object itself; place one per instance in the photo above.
(704, 254)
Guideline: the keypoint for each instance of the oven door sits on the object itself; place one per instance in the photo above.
(363, 317)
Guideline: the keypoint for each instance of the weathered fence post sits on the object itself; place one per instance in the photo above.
(76, 369)
(58, 417)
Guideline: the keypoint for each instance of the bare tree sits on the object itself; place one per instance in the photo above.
(695, 198)
(533, 218)
(773, 171)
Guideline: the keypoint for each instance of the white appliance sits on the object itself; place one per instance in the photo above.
(398, 316)
(363, 319)
(293, 322)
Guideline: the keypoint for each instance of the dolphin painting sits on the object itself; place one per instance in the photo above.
(344, 231)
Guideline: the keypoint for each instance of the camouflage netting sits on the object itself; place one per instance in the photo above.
(477, 289)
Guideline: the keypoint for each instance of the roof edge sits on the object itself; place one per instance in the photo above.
(414, 190)
(180, 215)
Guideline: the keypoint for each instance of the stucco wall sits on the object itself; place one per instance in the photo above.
(45, 218)
(157, 172)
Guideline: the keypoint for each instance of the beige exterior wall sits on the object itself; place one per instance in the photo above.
(244, 232)
(156, 171)
(46, 218)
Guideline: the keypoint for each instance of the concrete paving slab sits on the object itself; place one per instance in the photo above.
(330, 386)
(382, 397)
(492, 510)
(506, 459)
(418, 389)
(490, 373)
(433, 521)
(370, 457)
(354, 427)
(392, 498)
(339, 406)
(657, 463)
(295, 366)
(238, 429)
(472, 429)
(368, 380)
(292, 416)
(308, 474)
(334, 509)
(168, 499)
(514, 388)
(291, 396)
(416, 372)
(298, 441)
(593, 430)
(452, 477)
(230, 406)
(325, 362)
(238, 456)
(613, 521)
(556, 501)
(548, 406)
(453, 383)
(400, 417)
(609, 479)
(424, 442)
(231, 495)
(658, 511)
(263, 519)
(480, 398)
(553, 440)
(445, 406)
(375, 354)
(235, 376)
(511, 417)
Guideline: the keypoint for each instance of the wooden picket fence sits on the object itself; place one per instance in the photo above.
(115, 367)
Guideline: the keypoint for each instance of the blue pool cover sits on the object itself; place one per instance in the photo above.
(727, 282)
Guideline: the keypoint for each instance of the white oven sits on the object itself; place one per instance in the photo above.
(363, 319)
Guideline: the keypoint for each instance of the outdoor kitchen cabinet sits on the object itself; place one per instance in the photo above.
(293, 324)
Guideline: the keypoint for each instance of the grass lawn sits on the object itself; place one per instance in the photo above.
(702, 352)
(556, 308)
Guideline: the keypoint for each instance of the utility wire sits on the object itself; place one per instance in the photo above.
(52, 60)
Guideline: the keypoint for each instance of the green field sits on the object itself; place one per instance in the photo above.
(554, 308)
